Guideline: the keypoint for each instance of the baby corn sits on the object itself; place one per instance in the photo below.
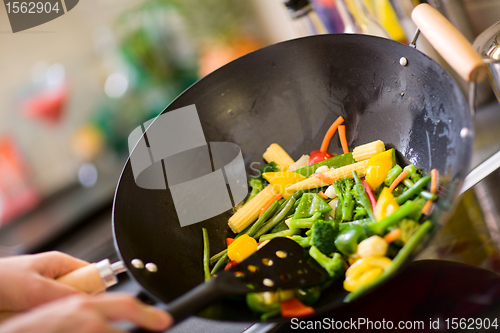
(367, 151)
(333, 174)
(251, 210)
(278, 155)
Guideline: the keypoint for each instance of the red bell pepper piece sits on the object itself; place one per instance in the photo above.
(370, 193)
(294, 308)
(229, 241)
(230, 264)
(317, 156)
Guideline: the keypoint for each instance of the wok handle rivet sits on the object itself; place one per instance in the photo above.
(464, 132)
(403, 61)
(137, 263)
(151, 267)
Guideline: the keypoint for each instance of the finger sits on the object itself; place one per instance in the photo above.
(45, 290)
(55, 264)
(117, 307)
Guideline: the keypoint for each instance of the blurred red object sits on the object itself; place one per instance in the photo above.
(17, 193)
(47, 105)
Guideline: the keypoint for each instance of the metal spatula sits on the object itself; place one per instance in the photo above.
(278, 265)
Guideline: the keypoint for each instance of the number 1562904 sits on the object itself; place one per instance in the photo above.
(32, 7)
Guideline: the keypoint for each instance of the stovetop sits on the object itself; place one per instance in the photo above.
(78, 222)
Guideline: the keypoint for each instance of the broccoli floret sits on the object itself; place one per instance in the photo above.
(257, 185)
(302, 241)
(344, 190)
(408, 228)
(323, 236)
(359, 213)
(334, 266)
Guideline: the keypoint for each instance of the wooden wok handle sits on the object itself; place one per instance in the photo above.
(94, 278)
(450, 43)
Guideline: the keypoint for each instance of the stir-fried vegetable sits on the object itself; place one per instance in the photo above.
(359, 209)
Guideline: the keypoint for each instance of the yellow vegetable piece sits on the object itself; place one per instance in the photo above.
(386, 204)
(368, 276)
(242, 248)
(281, 180)
(364, 270)
(378, 167)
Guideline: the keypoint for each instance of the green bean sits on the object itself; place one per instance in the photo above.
(396, 264)
(206, 254)
(222, 260)
(217, 256)
(364, 200)
(392, 175)
(277, 219)
(267, 214)
(414, 190)
(424, 194)
(408, 208)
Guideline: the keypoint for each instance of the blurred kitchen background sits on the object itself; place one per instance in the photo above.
(73, 89)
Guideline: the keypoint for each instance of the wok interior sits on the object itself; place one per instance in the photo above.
(290, 93)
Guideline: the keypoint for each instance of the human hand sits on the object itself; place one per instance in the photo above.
(29, 280)
(88, 314)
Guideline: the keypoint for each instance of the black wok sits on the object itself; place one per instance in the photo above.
(290, 93)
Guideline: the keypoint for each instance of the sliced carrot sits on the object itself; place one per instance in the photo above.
(428, 204)
(433, 181)
(392, 236)
(329, 134)
(398, 180)
(294, 308)
(343, 139)
(322, 177)
(276, 198)
(229, 241)
(323, 195)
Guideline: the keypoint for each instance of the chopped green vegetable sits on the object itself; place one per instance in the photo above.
(302, 241)
(206, 254)
(310, 204)
(343, 188)
(284, 233)
(258, 303)
(222, 261)
(424, 194)
(323, 236)
(414, 190)
(334, 266)
(257, 185)
(408, 229)
(379, 227)
(347, 225)
(392, 175)
(279, 227)
(277, 219)
(263, 218)
(334, 162)
(348, 239)
(304, 223)
(413, 173)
